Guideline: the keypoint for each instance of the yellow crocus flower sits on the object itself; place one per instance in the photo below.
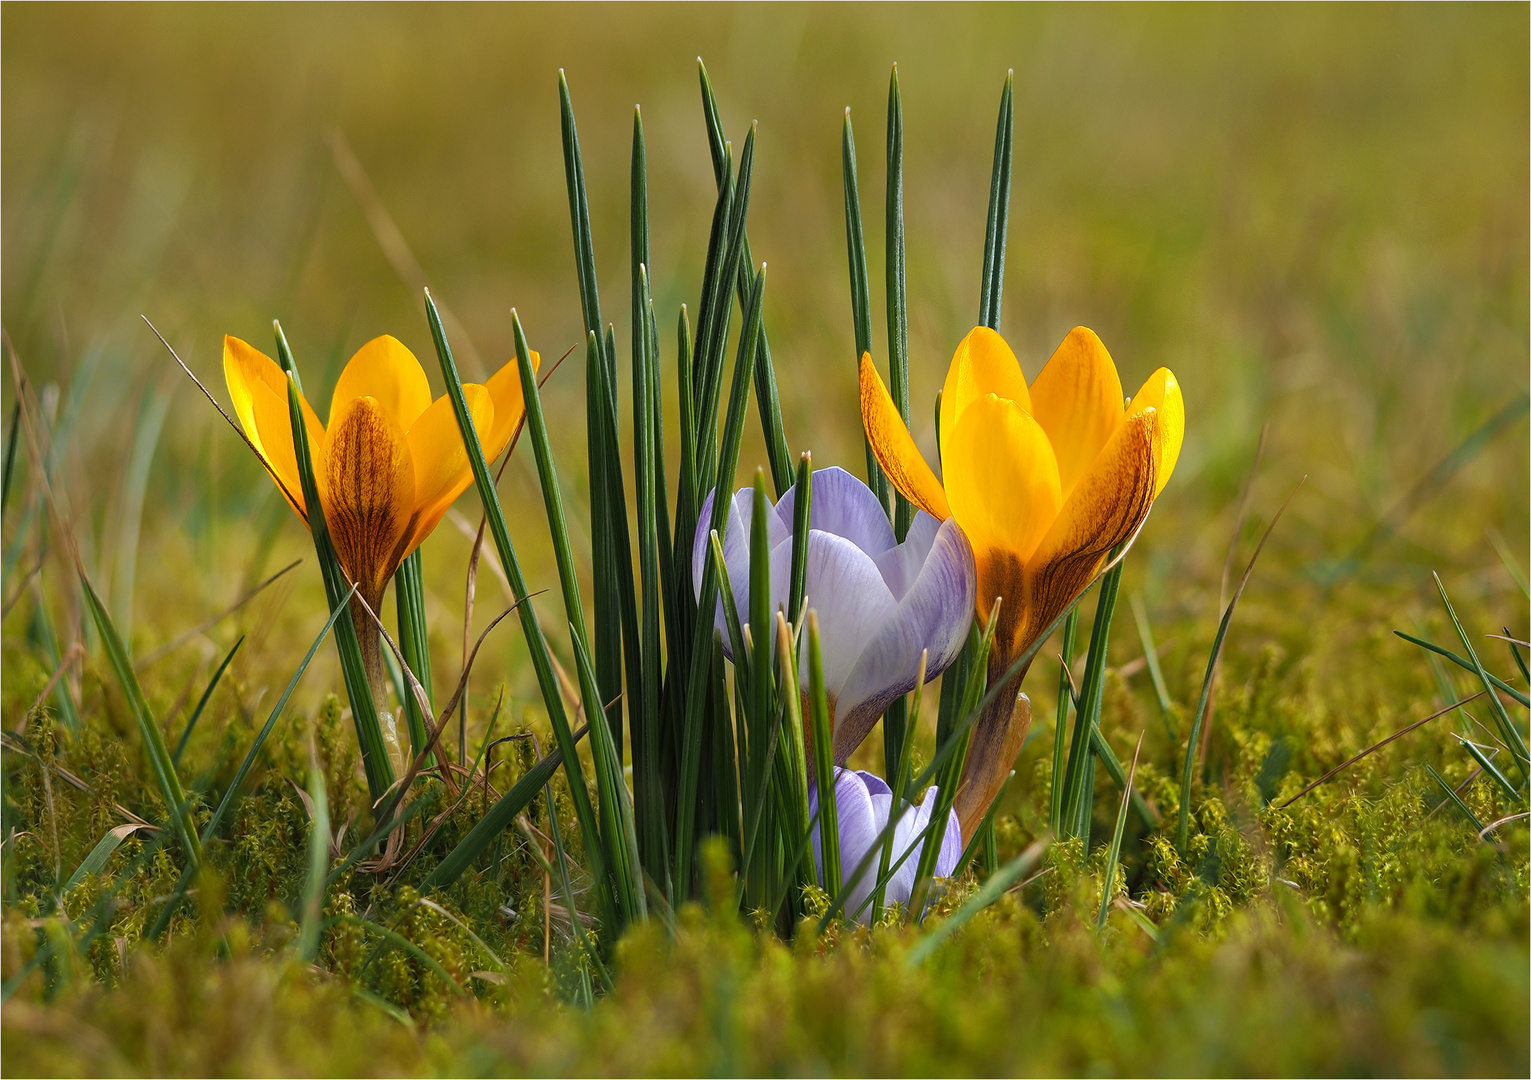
(1044, 480)
(387, 465)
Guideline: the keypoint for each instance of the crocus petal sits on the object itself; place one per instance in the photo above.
(1078, 401)
(1001, 478)
(931, 617)
(442, 469)
(1162, 394)
(504, 388)
(383, 369)
(913, 822)
(1107, 507)
(894, 447)
(843, 505)
(859, 825)
(258, 388)
(735, 536)
(844, 587)
(371, 493)
(983, 364)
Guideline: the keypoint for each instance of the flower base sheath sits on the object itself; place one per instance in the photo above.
(1045, 481)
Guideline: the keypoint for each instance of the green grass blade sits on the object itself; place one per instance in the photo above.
(499, 818)
(802, 508)
(10, 456)
(1114, 854)
(1456, 800)
(762, 697)
(718, 342)
(992, 288)
(1506, 556)
(1150, 652)
(547, 680)
(1079, 778)
(823, 759)
(1060, 724)
(1476, 753)
(196, 714)
(414, 643)
(861, 302)
(991, 890)
(1466, 665)
(1507, 729)
(393, 937)
(311, 911)
(148, 729)
(1182, 830)
(767, 398)
(151, 422)
(96, 859)
(691, 735)
(897, 290)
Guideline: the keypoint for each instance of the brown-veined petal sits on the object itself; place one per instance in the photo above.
(983, 364)
(1077, 399)
(1161, 392)
(1001, 479)
(442, 469)
(258, 388)
(504, 388)
(370, 503)
(1107, 507)
(894, 447)
(386, 371)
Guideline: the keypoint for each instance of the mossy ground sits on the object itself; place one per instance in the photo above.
(1317, 217)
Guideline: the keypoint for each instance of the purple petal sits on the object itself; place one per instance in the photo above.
(844, 506)
(859, 823)
(735, 536)
(933, 614)
(845, 589)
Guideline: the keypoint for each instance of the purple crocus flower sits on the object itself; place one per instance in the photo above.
(880, 604)
(862, 804)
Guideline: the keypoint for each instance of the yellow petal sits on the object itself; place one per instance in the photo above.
(1161, 392)
(1078, 401)
(894, 447)
(504, 388)
(370, 502)
(1001, 479)
(442, 469)
(1107, 507)
(384, 370)
(258, 388)
(983, 364)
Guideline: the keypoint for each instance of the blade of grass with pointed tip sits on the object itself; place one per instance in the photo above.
(767, 397)
(1114, 854)
(311, 910)
(414, 642)
(802, 508)
(1466, 665)
(148, 729)
(823, 759)
(1150, 652)
(991, 890)
(992, 288)
(547, 680)
(1182, 831)
(1507, 729)
(196, 714)
(1456, 800)
(211, 828)
(96, 859)
(718, 342)
(364, 714)
(1060, 724)
(1488, 766)
(1079, 775)
(733, 433)
(861, 302)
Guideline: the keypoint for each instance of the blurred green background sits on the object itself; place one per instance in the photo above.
(1317, 216)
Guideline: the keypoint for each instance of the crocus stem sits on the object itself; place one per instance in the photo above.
(367, 636)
